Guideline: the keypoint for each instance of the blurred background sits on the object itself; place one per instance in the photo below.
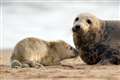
(48, 19)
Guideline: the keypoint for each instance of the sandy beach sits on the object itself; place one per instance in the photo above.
(72, 69)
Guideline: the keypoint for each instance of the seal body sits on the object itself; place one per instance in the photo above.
(94, 38)
(32, 52)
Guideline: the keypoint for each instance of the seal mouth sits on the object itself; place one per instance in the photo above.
(75, 51)
(78, 32)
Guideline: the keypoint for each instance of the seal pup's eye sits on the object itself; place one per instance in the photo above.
(89, 21)
(70, 48)
(76, 19)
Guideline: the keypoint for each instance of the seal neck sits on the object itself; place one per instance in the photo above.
(99, 48)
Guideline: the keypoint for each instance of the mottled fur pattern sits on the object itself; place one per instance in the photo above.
(94, 41)
(32, 52)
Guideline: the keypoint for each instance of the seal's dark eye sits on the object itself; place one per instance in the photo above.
(89, 21)
(70, 48)
(76, 19)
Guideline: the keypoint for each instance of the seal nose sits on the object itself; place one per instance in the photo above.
(76, 52)
(76, 28)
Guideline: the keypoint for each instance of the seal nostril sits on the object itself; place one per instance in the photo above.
(77, 26)
(73, 29)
